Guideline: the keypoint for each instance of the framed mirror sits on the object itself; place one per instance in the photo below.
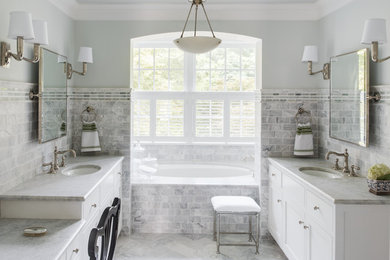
(349, 90)
(52, 119)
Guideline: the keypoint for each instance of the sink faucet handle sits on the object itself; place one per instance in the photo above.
(353, 170)
(336, 165)
(51, 167)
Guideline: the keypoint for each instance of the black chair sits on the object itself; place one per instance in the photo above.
(102, 239)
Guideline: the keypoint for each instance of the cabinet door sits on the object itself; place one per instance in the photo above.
(294, 237)
(275, 217)
(319, 243)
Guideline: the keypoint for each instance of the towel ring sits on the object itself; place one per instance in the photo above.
(302, 113)
(88, 115)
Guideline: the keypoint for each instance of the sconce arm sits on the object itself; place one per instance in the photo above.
(37, 54)
(374, 53)
(325, 70)
(70, 70)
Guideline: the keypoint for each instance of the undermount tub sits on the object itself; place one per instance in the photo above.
(197, 173)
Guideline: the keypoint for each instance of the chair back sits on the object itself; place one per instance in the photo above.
(102, 239)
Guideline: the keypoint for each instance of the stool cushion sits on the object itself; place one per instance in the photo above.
(234, 204)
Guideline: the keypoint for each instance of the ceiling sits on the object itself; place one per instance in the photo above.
(176, 10)
(185, 1)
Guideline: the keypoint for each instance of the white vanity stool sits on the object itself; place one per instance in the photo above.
(239, 205)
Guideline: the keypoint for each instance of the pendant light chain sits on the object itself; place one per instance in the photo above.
(185, 25)
(208, 21)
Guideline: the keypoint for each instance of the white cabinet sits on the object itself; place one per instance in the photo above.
(294, 235)
(300, 221)
(308, 225)
(92, 208)
(320, 243)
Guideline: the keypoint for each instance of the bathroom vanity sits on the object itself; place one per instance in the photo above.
(69, 204)
(325, 217)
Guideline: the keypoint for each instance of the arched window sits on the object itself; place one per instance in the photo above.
(184, 97)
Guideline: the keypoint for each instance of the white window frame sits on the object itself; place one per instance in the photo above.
(190, 95)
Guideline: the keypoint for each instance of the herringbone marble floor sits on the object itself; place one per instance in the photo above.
(193, 247)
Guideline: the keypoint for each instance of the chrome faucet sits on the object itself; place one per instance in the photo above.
(55, 159)
(346, 157)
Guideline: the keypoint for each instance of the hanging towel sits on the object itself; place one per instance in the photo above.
(90, 138)
(304, 140)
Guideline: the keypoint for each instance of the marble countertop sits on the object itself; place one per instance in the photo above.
(60, 187)
(15, 246)
(346, 190)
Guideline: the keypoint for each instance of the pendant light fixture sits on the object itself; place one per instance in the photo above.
(197, 44)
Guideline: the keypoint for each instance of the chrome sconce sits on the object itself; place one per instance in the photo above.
(21, 28)
(375, 33)
(310, 55)
(85, 56)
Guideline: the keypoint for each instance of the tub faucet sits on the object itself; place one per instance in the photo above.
(346, 157)
(56, 166)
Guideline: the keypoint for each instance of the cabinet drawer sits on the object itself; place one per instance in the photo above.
(73, 252)
(91, 204)
(275, 177)
(107, 190)
(319, 211)
(293, 192)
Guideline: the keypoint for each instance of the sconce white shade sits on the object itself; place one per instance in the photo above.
(374, 31)
(20, 25)
(40, 31)
(310, 53)
(85, 55)
(197, 44)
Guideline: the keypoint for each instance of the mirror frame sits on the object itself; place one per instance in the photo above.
(40, 92)
(367, 95)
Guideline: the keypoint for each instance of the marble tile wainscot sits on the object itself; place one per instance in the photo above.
(21, 156)
(112, 106)
(379, 138)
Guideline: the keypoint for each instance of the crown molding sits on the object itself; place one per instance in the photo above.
(178, 12)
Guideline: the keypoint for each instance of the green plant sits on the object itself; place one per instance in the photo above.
(379, 172)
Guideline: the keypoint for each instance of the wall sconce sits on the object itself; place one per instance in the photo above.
(310, 55)
(85, 56)
(375, 33)
(22, 27)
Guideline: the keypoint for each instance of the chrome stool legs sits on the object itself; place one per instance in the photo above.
(217, 231)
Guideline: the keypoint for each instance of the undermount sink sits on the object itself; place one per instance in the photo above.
(321, 172)
(81, 170)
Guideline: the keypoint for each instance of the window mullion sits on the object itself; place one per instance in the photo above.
(226, 120)
(153, 118)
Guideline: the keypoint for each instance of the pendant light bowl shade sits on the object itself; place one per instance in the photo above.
(197, 44)
(20, 25)
(374, 31)
(310, 53)
(85, 55)
(40, 31)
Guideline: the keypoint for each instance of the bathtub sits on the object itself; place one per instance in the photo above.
(191, 173)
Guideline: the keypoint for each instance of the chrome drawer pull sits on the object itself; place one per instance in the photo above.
(94, 205)
(316, 208)
(279, 201)
(76, 250)
(306, 227)
(300, 222)
(273, 174)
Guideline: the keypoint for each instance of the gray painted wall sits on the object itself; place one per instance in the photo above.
(282, 48)
(60, 30)
(342, 30)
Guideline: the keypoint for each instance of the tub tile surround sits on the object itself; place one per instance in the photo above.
(183, 208)
(21, 156)
(112, 106)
